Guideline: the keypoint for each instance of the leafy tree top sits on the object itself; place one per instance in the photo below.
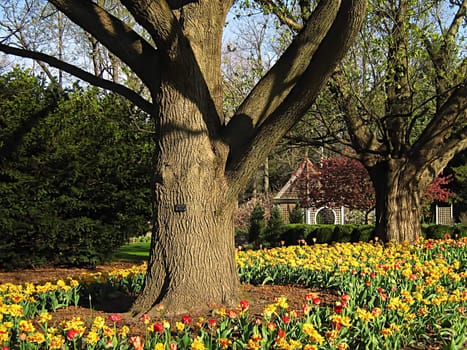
(337, 181)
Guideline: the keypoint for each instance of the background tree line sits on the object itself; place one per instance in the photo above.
(386, 121)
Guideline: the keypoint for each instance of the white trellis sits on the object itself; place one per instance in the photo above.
(444, 215)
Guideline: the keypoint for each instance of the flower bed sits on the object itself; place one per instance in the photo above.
(387, 297)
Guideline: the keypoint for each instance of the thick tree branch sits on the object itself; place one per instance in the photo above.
(438, 158)
(160, 22)
(274, 87)
(399, 92)
(439, 132)
(307, 86)
(359, 130)
(81, 74)
(187, 66)
(456, 23)
(177, 4)
(119, 38)
(281, 78)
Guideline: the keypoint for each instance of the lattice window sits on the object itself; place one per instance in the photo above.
(444, 215)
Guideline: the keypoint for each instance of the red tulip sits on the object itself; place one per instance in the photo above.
(115, 318)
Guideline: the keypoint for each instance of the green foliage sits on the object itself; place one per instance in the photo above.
(363, 233)
(324, 233)
(293, 234)
(274, 227)
(257, 223)
(343, 233)
(460, 230)
(74, 185)
(296, 215)
(296, 233)
(442, 231)
(241, 237)
(133, 252)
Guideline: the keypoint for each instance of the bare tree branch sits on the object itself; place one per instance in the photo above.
(119, 38)
(82, 74)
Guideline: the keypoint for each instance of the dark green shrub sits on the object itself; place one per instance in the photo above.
(74, 175)
(257, 224)
(460, 230)
(274, 227)
(315, 234)
(311, 237)
(73, 242)
(362, 233)
(439, 231)
(343, 233)
(241, 237)
(296, 215)
(425, 229)
(294, 233)
(324, 233)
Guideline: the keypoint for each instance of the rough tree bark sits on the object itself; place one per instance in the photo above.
(397, 200)
(202, 162)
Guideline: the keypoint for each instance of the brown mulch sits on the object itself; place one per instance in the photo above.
(257, 296)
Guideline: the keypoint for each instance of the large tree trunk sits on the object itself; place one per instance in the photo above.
(397, 201)
(192, 262)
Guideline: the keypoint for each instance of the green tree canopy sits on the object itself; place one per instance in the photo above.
(74, 182)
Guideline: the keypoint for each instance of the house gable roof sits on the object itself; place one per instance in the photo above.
(288, 191)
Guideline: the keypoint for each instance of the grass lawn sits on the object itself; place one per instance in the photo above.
(133, 252)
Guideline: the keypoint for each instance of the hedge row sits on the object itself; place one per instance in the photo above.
(294, 233)
(439, 231)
